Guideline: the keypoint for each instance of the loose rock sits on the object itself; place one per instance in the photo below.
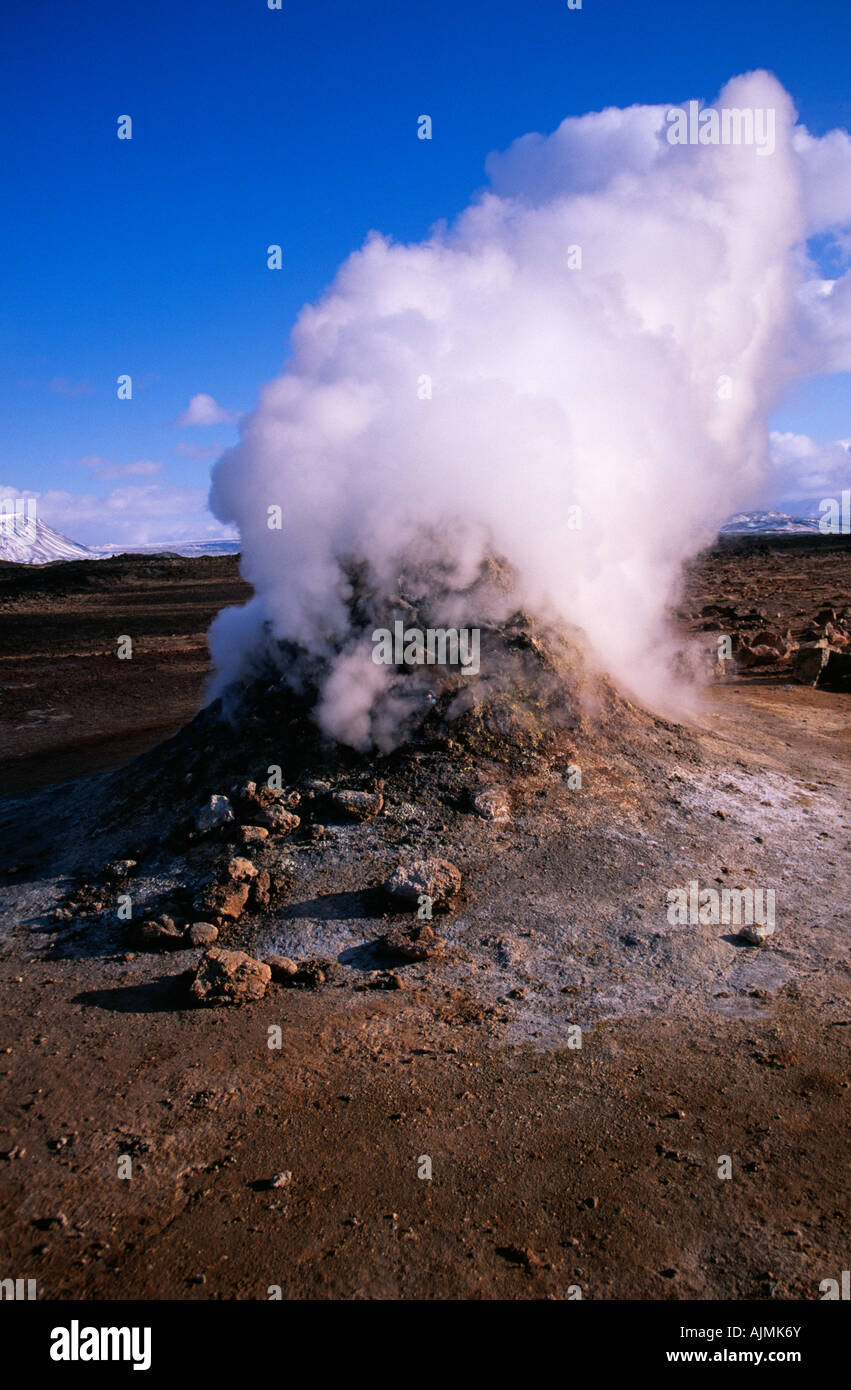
(120, 869)
(279, 819)
(225, 900)
(411, 943)
(283, 969)
(158, 934)
(253, 834)
(240, 870)
(811, 661)
(217, 811)
(755, 934)
(491, 803)
(381, 979)
(228, 977)
(202, 934)
(436, 879)
(358, 805)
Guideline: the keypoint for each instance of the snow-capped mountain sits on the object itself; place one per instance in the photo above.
(24, 542)
(745, 523)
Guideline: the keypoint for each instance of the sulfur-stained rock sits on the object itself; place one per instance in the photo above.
(228, 977)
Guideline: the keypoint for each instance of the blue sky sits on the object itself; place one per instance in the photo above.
(297, 127)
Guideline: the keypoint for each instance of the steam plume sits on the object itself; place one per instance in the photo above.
(466, 395)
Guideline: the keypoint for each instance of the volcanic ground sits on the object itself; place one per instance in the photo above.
(529, 1095)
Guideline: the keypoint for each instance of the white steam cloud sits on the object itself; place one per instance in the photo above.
(465, 395)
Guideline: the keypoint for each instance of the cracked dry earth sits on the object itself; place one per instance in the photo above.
(554, 1167)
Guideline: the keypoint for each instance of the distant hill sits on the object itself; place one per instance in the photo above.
(37, 544)
(767, 523)
(184, 548)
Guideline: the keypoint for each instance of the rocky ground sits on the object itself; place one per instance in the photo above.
(281, 1072)
(68, 706)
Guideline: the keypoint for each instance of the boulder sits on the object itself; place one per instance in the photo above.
(436, 879)
(253, 795)
(313, 972)
(228, 977)
(758, 656)
(811, 661)
(303, 974)
(766, 638)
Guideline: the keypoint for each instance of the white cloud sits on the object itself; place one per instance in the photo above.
(203, 410)
(804, 469)
(134, 514)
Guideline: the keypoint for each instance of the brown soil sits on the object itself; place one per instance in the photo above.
(553, 1168)
(68, 706)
